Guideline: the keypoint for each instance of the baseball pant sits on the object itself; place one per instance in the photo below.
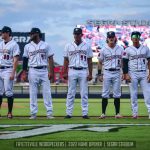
(111, 78)
(74, 77)
(6, 85)
(36, 77)
(139, 78)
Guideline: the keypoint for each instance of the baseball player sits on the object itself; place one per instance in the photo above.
(110, 59)
(135, 62)
(9, 55)
(37, 55)
(77, 69)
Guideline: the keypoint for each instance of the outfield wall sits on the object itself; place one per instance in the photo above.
(60, 91)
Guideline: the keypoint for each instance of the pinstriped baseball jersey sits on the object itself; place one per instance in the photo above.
(137, 57)
(111, 58)
(7, 52)
(78, 54)
(37, 53)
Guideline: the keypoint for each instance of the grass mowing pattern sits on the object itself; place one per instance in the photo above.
(21, 108)
(140, 134)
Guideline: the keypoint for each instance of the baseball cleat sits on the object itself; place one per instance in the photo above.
(85, 117)
(32, 117)
(134, 116)
(118, 116)
(68, 117)
(103, 116)
(50, 117)
(9, 116)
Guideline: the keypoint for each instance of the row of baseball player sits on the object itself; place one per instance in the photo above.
(38, 67)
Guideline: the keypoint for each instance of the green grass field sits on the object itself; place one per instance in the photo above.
(126, 129)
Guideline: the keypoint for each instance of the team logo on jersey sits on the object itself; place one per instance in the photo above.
(113, 57)
(138, 56)
(77, 52)
(37, 52)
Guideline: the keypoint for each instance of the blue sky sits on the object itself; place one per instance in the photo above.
(57, 18)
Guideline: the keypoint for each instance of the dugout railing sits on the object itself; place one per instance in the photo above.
(60, 91)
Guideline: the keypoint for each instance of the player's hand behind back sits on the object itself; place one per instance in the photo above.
(89, 77)
(100, 78)
(127, 78)
(123, 77)
(12, 76)
(50, 76)
(148, 78)
(24, 76)
(65, 76)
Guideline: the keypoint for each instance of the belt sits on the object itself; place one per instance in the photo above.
(112, 69)
(76, 68)
(5, 67)
(39, 67)
(140, 70)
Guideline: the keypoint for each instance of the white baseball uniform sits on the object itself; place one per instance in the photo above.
(78, 72)
(112, 60)
(137, 70)
(37, 55)
(7, 52)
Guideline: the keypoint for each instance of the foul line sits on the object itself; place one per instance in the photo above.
(99, 125)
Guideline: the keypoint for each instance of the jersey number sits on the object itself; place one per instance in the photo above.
(43, 56)
(83, 57)
(6, 57)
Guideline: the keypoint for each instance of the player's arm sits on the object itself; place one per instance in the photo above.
(90, 68)
(25, 69)
(15, 64)
(51, 67)
(148, 77)
(100, 66)
(125, 70)
(125, 65)
(89, 62)
(148, 63)
(25, 64)
(66, 64)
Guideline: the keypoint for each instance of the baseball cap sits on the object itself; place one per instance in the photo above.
(35, 30)
(135, 34)
(110, 34)
(77, 31)
(6, 29)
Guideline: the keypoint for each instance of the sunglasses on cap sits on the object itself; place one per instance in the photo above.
(135, 36)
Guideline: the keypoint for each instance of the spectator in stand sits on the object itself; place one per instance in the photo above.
(147, 42)
(120, 42)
